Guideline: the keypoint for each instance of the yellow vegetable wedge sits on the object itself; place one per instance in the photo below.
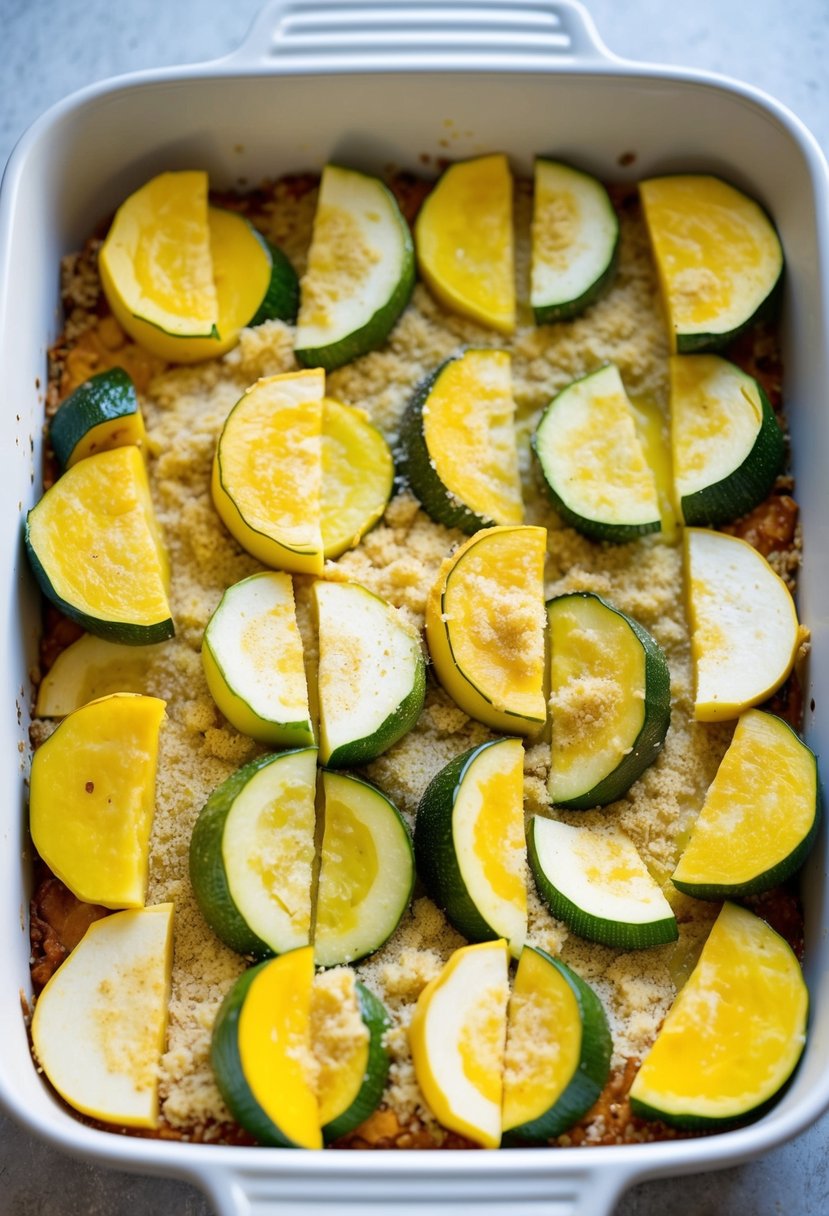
(348, 1025)
(261, 1052)
(457, 1036)
(744, 630)
(99, 1025)
(735, 1032)
(464, 241)
(760, 814)
(92, 798)
(267, 471)
(357, 476)
(485, 624)
(92, 668)
(96, 551)
(718, 256)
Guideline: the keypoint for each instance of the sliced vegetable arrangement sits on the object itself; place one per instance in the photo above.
(610, 700)
(458, 443)
(592, 460)
(102, 413)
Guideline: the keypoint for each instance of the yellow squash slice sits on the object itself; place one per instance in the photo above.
(357, 476)
(92, 668)
(744, 630)
(100, 1024)
(464, 242)
(735, 1033)
(95, 548)
(760, 814)
(268, 468)
(718, 256)
(93, 796)
(457, 1036)
(485, 625)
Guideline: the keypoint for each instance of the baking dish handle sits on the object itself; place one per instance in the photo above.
(365, 1192)
(385, 35)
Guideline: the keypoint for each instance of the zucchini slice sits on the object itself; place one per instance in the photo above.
(485, 624)
(91, 668)
(92, 798)
(464, 242)
(727, 447)
(99, 1025)
(360, 271)
(744, 630)
(252, 852)
(253, 661)
(366, 871)
(760, 814)
(102, 413)
(357, 477)
(347, 1028)
(610, 700)
(469, 842)
(575, 242)
(95, 548)
(592, 460)
(457, 1036)
(735, 1032)
(718, 256)
(268, 468)
(372, 675)
(558, 1049)
(262, 1055)
(596, 882)
(458, 443)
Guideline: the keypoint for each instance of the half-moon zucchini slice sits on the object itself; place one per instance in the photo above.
(102, 413)
(357, 477)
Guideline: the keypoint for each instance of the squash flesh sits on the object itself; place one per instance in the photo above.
(357, 476)
(716, 415)
(341, 1062)
(468, 426)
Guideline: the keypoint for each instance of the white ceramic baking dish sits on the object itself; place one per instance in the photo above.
(379, 83)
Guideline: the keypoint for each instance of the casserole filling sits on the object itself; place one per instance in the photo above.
(399, 560)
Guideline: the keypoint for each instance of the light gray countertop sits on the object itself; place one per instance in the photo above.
(53, 47)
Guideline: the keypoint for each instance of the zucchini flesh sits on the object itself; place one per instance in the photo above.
(357, 477)
(718, 256)
(360, 271)
(458, 440)
(610, 701)
(734, 1034)
(366, 871)
(596, 882)
(91, 668)
(575, 242)
(760, 814)
(592, 460)
(102, 413)
(726, 444)
(352, 1074)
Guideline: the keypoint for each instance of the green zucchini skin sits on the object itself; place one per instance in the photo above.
(207, 872)
(748, 485)
(700, 344)
(651, 738)
(415, 464)
(551, 314)
(112, 631)
(590, 1077)
(435, 858)
(227, 1063)
(707, 1123)
(281, 301)
(360, 751)
(105, 397)
(374, 1015)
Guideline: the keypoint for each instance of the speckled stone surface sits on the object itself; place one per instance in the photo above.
(52, 47)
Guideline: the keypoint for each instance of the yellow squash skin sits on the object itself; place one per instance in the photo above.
(93, 797)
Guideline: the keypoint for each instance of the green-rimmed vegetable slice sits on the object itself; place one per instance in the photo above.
(592, 460)
(91, 668)
(610, 700)
(760, 814)
(102, 413)
(596, 882)
(735, 1032)
(348, 1024)
(575, 242)
(357, 477)
(252, 852)
(558, 1050)
(458, 443)
(360, 271)
(469, 842)
(727, 447)
(366, 871)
